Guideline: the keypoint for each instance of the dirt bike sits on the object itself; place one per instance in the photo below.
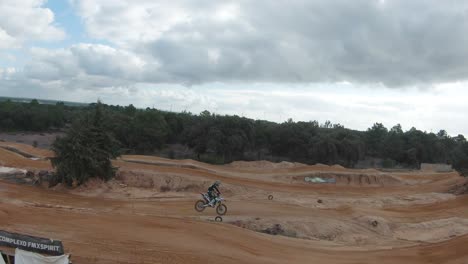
(221, 208)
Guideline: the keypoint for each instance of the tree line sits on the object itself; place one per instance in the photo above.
(15, 116)
(223, 138)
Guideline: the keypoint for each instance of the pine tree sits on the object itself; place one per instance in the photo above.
(85, 151)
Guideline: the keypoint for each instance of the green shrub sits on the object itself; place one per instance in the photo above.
(85, 151)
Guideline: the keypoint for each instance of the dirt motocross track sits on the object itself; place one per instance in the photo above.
(146, 215)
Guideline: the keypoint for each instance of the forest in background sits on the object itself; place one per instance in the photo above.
(220, 139)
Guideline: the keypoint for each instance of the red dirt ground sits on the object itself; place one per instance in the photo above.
(130, 220)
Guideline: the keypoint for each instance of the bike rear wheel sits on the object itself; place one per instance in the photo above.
(200, 206)
(221, 209)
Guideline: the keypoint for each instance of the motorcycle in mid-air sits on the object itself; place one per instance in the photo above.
(221, 208)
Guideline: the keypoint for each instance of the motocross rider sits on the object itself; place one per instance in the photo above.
(213, 192)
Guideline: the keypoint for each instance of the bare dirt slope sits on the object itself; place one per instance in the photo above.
(146, 215)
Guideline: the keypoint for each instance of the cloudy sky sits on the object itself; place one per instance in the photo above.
(352, 62)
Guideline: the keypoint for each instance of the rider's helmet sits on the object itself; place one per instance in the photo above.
(217, 183)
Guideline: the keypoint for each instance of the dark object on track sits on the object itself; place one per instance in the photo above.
(218, 219)
(270, 197)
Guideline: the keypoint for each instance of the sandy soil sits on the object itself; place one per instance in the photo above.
(146, 214)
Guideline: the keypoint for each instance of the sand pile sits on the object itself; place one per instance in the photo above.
(8, 170)
(353, 179)
(433, 231)
(362, 231)
(170, 182)
(147, 184)
(338, 167)
(460, 188)
(19, 176)
(162, 181)
(263, 164)
(11, 159)
(368, 230)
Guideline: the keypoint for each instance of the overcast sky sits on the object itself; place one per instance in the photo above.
(352, 62)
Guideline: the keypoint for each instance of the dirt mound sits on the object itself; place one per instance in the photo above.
(460, 189)
(159, 181)
(18, 175)
(352, 179)
(11, 159)
(366, 230)
(263, 164)
(27, 151)
(366, 179)
(7, 170)
(267, 228)
(338, 167)
(433, 231)
(148, 184)
(321, 166)
(379, 225)
(168, 182)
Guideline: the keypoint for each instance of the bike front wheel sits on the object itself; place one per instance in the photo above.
(221, 209)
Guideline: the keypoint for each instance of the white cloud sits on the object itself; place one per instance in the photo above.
(102, 65)
(130, 21)
(304, 59)
(7, 41)
(397, 43)
(356, 107)
(107, 61)
(227, 12)
(7, 73)
(23, 20)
